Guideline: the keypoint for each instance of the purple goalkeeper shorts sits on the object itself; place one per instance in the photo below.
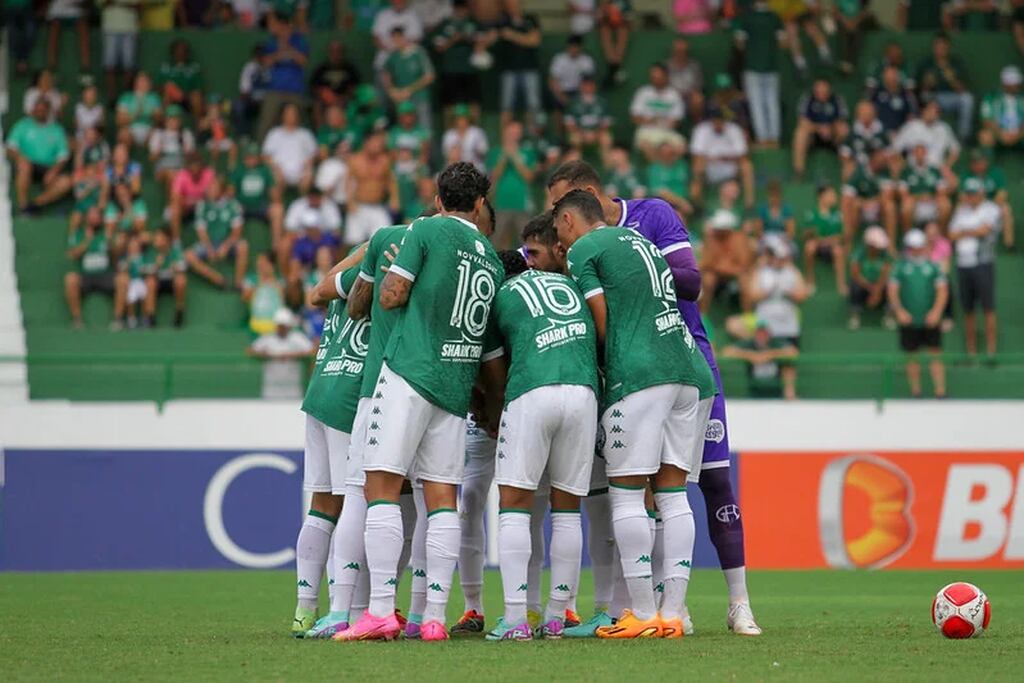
(716, 438)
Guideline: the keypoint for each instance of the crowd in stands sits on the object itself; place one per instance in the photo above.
(320, 155)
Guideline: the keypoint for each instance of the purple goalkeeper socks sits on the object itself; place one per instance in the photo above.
(725, 526)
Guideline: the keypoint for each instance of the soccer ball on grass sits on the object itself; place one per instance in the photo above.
(961, 610)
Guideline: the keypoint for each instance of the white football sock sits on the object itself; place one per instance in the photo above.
(601, 547)
(634, 539)
(513, 557)
(383, 547)
(566, 553)
(536, 566)
(443, 535)
(473, 508)
(349, 555)
(408, 506)
(312, 548)
(679, 537)
(736, 580)
(620, 594)
(418, 559)
(657, 558)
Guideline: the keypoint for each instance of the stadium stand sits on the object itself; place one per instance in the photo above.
(205, 358)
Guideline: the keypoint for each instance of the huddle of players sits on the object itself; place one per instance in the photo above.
(437, 326)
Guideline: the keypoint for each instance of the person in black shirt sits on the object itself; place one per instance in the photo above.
(895, 103)
(520, 51)
(822, 122)
(333, 80)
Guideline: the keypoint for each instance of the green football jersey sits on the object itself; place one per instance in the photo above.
(438, 339)
(646, 341)
(333, 390)
(383, 320)
(917, 279)
(218, 218)
(252, 185)
(587, 114)
(411, 139)
(921, 179)
(546, 331)
(164, 265)
(406, 68)
(824, 223)
(624, 184)
(96, 258)
(994, 181)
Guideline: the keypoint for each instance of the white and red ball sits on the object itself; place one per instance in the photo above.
(961, 610)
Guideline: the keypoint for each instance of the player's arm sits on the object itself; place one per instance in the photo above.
(674, 243)
(599, 309)
(327, 290)
(395, 290)
(493, 376)
(401, 274)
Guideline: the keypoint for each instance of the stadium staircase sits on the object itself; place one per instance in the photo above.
(205, 359)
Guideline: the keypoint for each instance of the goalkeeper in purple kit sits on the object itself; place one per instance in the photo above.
(657, 221)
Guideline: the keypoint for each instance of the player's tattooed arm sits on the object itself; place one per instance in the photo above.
(360, 299)
(394, 291)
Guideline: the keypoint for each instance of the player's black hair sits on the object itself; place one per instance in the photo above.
(577, 173)
(489, 208)
(542, 229)
(513, 262)
(460, 185)
(662, 66)
(582, 202)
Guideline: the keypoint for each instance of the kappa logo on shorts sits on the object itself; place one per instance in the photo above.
(376, 410)
(616, 429)
(728, 513)
(378, 395)
(683, 563)
(420, 573)
(372, 441)
(374, 426)
(616, 413)
(501, 455)
(382, 380)
(562, 587)
(618, 444)
(303, 584)
(715, 431)
(501, 439)
(660, 588)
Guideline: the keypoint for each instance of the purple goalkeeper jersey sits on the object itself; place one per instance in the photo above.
(656, 220)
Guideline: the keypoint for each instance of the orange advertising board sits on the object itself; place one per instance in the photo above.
(883, 509)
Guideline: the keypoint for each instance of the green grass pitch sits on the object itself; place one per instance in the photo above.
(191, 626)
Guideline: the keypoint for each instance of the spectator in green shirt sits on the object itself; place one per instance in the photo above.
(263, 292)
(869, 196)
(1002, 113)
(869, 274)
(165, 271)
(588, 121)
(408, 134)
(455, 40)
(943, 77)
(136, 110)
(917, 295)
(332, 132)
(513, 167)
(407, 171)
(775, 216)
(39, 151)
(219, 222)
(90, 188)
(923, 191)
(92, 270)
(408, 75)
(621, 179)
(994, 182)
(853, 18)
(181, 79)
(668, 177)
(759, 36)
(823, 236)
(256, 188)
(769, 374)
(970, 15)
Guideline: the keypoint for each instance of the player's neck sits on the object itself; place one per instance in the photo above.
(612, 210)
(468, 217)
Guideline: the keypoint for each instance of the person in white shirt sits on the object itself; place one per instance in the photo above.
(464, 141)
(290, 150)
(657, 109)
(313, 203)
(974, 230)
(932, 132)
(582, 16)
(282, 352)
(89, 111)
(44, 88)
(567, 71)
(332, 177)
(399, 15)
(720, 153)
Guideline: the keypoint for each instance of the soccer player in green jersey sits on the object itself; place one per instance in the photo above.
(548, 424)
(442, 284)
(658, 395)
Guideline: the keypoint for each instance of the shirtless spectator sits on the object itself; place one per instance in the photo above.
(727, 256)
(370, 183)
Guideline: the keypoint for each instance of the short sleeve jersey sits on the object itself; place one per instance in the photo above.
(871, 267)
(588, 114)
(333, 390)
(624, 184)
(383, 320)
(164, 265)
(917, 279)
(218, 218)
(994, 181)
(920, 179)
(438, 339)
(824, 223)
(647, 343)
(252, 185)
(675, 178)
(405, 68)
(96, 258)
(547, 332)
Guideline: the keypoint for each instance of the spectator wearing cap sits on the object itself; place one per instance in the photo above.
(189, 187)
(282, 352)
(455, 40)
(513, 167)
(519, 41)
(730, 100)
(870, 263)
(686, 76)
(759, 36)
(994, 182)
(776, 289)
(464, 141)
(974, 230)
(894, 102)
(365, 115)
(408, 74)
(867, 135)
(923, 191)
(256, 188)
(823, 236)
(218, 222)
(942, 77)
(334, 80)
(668, 177)
(409, 135)
(932, 132)
(312, 238)
(287, 56)
(869, 196)
(566, 73)
(38, 147)
(720, 153)
(180, 79)
(770, 371)
(290, 150)
(168, 146)
(821, 123)
(315, 201)
(136, 111)
(1002, 113)
(588, 120)
(917, 295)
(657, 109)
(726, 255)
